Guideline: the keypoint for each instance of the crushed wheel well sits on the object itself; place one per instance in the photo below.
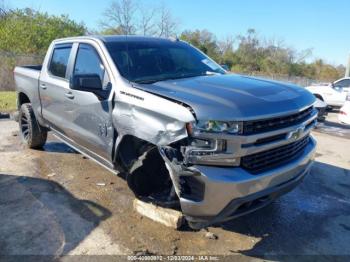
(130, 149)
(146, 172)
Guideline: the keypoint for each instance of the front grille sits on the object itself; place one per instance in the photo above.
(275, 157)
(265, 125)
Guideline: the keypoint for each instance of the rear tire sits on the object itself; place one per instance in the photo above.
(32, 134)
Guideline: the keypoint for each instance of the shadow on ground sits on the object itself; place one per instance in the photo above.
(335, 124)
(40, 217)
(312, 219)
(58, 147)
(334, 129)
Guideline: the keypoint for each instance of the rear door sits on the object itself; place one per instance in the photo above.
(89, 116)
(53, 85)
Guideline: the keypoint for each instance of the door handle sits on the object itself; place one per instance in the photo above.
(43, 86)
(69, 95)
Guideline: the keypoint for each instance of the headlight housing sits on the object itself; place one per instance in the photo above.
(211, 126)
(207, 147)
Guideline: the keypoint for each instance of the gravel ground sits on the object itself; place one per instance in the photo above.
(56, 202)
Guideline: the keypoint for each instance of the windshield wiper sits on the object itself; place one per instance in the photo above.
(148, 81)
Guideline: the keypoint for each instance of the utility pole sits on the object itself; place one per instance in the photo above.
(347, 73)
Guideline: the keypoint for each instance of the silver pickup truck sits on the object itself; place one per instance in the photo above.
(182, 131)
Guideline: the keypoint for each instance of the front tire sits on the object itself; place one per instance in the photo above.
(32, 134)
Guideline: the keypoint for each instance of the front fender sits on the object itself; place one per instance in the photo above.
(150, 118)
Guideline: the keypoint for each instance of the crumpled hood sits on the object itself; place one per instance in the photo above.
(233, 97)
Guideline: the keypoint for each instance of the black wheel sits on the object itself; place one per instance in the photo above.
(32, 134)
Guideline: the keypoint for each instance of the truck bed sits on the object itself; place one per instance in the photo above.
(27, 81)
(32, 67)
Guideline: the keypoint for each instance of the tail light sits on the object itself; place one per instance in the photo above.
(342, 113)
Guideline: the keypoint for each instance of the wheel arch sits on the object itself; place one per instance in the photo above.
(319, 96)
(21, 99)
(128, 149)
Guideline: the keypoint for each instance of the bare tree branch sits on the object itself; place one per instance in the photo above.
(120, 16)
(167, 25)
(147, 23)
(226, 44)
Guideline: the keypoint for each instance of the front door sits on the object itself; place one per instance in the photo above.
(89, 116)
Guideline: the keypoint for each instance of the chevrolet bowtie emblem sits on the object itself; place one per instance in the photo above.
(296, 134)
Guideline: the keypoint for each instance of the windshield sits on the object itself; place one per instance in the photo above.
(152, 61)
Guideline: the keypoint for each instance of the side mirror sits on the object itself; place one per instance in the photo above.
(86, 82)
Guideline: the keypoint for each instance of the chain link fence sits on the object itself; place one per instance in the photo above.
(8, 61)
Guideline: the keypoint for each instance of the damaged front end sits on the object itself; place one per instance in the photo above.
(166, 174)
(149, 148)
(169, 175)
(208, 182)
(210, 170)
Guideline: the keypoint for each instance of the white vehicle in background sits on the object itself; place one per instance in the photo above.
(334, 94)
(344, 112)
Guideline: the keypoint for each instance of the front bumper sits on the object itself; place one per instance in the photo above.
(232, 191)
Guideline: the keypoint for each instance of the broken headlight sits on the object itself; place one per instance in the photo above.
(211, 126)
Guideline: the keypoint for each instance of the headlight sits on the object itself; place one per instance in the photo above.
(231, 127)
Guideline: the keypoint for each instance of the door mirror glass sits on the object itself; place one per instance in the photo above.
(86, 82)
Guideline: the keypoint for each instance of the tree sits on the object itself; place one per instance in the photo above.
(147, 24)
(203, 40)
(248, 53)
(226, 51)
(326, 72)
(167, 26)
(120, 17)
(129, 17)
(27, 31)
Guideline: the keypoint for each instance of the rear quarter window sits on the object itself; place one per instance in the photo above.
(59, 60)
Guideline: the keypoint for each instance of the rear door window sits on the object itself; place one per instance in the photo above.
(59, 60)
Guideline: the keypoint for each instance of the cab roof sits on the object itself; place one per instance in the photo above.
(119, 38)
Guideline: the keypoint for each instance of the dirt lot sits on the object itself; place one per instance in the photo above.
(56, 202)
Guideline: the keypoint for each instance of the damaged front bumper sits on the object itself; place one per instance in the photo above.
(216, 194)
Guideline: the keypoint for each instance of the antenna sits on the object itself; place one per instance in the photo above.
(127, 53)
(347, 73)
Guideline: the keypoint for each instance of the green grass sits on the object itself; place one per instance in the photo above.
(7, 101)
